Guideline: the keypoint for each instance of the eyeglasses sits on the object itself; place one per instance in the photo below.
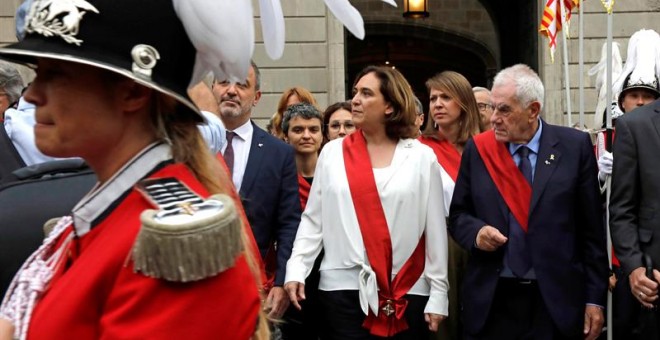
(336, 126)
(483, 106)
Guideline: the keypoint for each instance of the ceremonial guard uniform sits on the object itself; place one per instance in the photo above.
(634, 191)
(95, 292)
(159, 249)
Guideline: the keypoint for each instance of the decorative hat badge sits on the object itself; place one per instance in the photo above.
(58, 18)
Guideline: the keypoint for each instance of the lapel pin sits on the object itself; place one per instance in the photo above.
(260, 144)
(549, 161)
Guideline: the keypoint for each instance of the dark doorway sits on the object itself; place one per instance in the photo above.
(517, 24)
(418, 53)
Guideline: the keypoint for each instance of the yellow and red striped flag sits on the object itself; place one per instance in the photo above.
(552, 20)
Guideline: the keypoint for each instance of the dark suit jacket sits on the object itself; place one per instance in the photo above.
(566, 236)
(635, 199)
(269, 193)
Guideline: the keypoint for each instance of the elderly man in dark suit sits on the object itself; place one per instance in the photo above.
(527, 208)
(264, 171)
(635, 201)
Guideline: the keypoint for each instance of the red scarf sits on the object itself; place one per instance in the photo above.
(377, 242)
(448, 157)
(510, 182)
(303, 191)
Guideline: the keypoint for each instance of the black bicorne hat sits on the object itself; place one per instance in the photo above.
(142, 40)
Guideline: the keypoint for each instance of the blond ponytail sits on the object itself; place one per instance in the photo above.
(189, 148)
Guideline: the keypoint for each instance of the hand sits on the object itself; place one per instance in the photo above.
(296, 291)
(434, 320)
(6, 330)
(276, 302)
(593, 322)
(605, 162)
(489, 238)
(644, 289)
(612, 282)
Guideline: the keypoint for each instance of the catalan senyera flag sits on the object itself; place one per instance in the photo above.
(552, 20)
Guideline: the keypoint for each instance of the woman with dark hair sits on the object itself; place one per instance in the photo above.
(302, 125)
(384, 272)
(453, 119)
(157, 249)
(338, 121)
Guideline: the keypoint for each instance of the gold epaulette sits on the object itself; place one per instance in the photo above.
(187, 238)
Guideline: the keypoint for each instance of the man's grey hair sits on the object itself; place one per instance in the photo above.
(10, 81)
(257, 75)
(529, 87)
(210, 77)
(480, 89)
(303, 110)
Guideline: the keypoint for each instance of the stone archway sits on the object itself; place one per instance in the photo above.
(419, 53)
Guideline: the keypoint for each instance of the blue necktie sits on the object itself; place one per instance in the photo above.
(518, 255)
(525, 165)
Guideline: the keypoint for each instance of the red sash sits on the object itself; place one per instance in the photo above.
(303, 191)
(510, 182)
(377, 242)
(448, 157)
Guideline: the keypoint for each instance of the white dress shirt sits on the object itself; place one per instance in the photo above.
(19, 124)
(241, 144)
(411, 194)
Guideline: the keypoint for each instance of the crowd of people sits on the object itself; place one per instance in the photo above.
(355, 221)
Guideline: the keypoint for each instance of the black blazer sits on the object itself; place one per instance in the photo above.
(269, 193)
(566, 236)
(635, 199)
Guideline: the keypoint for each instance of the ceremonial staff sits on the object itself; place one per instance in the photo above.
(565, 15)
(608, 146)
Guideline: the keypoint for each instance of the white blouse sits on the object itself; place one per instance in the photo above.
(448, 185)
(411, 194)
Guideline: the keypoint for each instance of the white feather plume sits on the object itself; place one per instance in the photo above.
(218, 30)
(225, 43)
(348, 15)
(600, 71)
(642, 60)
(272, 27)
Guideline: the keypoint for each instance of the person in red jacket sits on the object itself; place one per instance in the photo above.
(158, 248)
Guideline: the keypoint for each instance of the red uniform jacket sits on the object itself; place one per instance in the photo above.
(98, 296)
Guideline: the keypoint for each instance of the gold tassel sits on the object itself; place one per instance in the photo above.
(191, 250)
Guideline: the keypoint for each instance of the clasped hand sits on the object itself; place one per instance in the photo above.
(489, 238)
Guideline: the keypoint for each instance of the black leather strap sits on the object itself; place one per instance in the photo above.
(10, 159)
